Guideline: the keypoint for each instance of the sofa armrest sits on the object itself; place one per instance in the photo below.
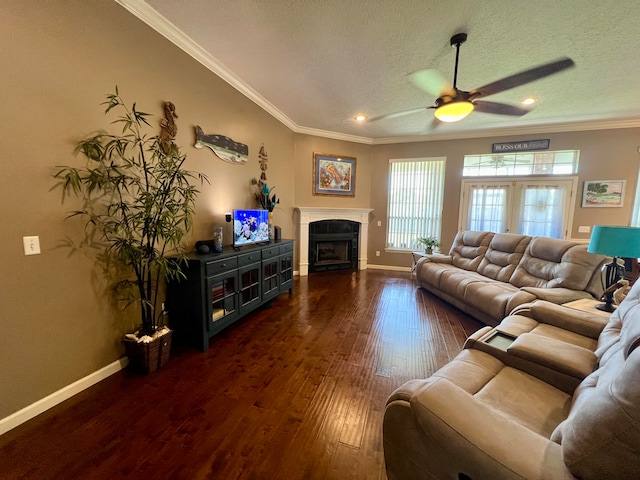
(522, 309)
(433, 258)
(438, 258)
(557, 295)
(577, 321)
(563, 374)
(560, 356)
(476, 337)
(491, 445)
(407, 390)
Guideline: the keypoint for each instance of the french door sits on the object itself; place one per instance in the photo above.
(529, 206)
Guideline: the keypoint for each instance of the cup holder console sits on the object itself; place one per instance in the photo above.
(499, 340)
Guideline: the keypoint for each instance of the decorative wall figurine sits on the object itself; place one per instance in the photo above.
(224, 147)
(168, 128)
(262, 160)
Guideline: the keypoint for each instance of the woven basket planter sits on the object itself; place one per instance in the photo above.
(145, 358)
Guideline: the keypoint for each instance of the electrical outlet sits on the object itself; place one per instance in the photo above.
(584, 229)
(379, 223)
(31, 245)
(377, 253)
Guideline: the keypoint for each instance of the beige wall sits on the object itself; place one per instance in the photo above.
(59, 59)
(305, 146)
(604, 155)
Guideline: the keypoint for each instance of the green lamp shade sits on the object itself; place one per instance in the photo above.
(621, 242)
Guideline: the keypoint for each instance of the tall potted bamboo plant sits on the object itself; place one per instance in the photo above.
(138, 202)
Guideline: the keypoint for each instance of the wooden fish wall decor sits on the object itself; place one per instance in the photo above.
(224, 147)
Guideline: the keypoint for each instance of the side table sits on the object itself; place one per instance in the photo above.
(587, 305)
(415, 256)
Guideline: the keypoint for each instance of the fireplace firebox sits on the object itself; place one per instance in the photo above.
(333, 245)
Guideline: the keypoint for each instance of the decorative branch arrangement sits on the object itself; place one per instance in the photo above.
(262, 191)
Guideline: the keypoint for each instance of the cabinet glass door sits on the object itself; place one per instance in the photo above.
(286, 272)
(222, 297)
(269, 278)
(249, 286)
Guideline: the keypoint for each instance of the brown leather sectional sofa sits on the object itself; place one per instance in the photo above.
(487, 275)
(550, 393)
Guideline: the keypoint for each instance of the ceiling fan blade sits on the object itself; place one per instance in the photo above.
(432, 82)
(387, 116)
(500, 108)
(522, 78)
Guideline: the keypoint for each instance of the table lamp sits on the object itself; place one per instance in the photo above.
(616, 242)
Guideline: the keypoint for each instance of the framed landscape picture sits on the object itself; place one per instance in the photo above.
(603, 193)
(334, 175)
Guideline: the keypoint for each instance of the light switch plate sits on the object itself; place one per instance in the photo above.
(584, 229)
(31, 245)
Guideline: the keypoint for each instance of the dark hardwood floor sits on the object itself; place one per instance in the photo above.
(295, 391)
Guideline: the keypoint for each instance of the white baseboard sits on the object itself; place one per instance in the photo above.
(27, 413)
(389, 267)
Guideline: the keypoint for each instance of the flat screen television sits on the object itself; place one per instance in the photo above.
(250, 226)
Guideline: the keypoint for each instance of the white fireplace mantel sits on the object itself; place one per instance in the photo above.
(307, 215)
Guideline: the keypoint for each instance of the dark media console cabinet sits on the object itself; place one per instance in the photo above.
(221, 288)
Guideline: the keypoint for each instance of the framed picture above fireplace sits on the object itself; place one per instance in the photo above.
(334, 175)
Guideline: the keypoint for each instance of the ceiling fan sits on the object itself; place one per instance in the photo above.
(453, 104)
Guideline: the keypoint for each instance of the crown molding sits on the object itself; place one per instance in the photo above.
(164, 27)
(160, 24)
(525, 130)
(334, 135)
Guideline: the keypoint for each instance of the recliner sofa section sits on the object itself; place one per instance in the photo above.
(488, 274)
(486, 416)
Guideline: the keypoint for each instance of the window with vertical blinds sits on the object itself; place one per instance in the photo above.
(416, 190)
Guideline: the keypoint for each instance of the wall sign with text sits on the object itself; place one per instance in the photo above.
(524, 146)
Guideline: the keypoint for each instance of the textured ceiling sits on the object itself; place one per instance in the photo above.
(316, 64)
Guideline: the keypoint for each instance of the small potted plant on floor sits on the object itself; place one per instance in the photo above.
(138, 204)
(429, 244)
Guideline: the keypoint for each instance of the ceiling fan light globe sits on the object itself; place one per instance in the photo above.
(454, 111)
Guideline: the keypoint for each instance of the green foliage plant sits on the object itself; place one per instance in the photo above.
(428, 242)
(137, 201)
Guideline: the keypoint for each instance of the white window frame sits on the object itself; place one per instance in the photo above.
(635, 212)
(521, 164)
(515, 195)
(435, 192)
